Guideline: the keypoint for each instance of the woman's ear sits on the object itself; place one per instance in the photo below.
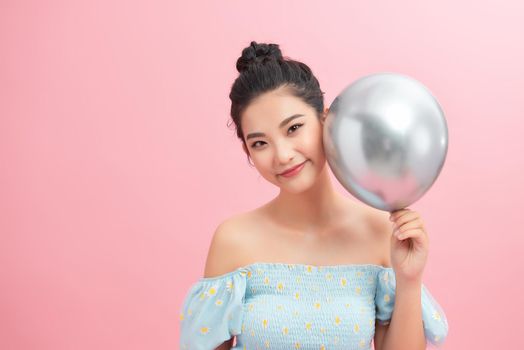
(324, 115)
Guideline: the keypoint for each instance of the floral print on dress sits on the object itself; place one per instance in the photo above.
(297, 306)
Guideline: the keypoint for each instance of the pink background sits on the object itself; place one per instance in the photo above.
(116, 163)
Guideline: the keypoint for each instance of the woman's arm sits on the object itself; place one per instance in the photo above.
(409, 252)
(221, 258)
(406, 330)
(380, 332)
(227, 345)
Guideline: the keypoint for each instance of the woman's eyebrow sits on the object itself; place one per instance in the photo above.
(282, 123)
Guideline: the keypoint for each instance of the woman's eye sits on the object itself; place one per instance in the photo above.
(299, 125)
(254, 144)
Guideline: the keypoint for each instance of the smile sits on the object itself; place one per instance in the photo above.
(294, 171)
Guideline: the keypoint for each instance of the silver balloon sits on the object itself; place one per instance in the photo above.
(386, 140)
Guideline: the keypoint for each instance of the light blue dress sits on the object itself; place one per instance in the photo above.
(296, 306)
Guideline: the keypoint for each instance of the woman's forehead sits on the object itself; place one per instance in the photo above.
(272, 108)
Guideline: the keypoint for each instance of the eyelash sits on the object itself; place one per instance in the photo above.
(299, 125)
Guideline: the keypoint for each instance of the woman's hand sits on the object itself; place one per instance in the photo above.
(409, 245)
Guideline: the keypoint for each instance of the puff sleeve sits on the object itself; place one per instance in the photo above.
(212, 311)
(433, 317)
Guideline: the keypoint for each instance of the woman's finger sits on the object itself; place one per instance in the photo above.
(416, 234)
(410, 225)
(411, 216)
(398, 213)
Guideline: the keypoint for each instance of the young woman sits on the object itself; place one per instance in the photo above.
(311, 269)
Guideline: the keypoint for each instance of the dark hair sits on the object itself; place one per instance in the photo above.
(262, 69)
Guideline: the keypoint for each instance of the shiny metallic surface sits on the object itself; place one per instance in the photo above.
(386, 140)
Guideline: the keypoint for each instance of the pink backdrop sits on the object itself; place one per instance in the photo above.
(116, 163)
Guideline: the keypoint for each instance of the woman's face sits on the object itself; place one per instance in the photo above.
(280, 132)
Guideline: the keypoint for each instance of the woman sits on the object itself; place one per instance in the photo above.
(310, 269)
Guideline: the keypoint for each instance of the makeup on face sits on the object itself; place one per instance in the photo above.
(281, 125)
(294, 171)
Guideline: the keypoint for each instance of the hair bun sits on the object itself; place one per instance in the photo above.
(258, 53)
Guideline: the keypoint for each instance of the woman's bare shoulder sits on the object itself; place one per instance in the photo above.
(373, 219)
(229, 244)
(378, 220)
(380, 228)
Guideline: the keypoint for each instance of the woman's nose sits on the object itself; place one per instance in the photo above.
(284, 153)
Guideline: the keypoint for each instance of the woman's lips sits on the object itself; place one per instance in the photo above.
(294, 170)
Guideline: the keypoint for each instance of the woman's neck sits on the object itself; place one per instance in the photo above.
(311, 210)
